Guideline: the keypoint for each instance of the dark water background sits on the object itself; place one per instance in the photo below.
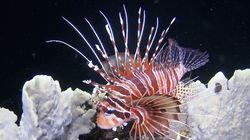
(219, 26)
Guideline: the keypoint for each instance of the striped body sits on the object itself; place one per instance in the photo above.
(138, 84)
(141, 89)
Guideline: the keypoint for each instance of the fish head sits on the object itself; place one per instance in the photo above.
(108, 117)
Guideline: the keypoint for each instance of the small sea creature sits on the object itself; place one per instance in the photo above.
(145, 89)
(217, 88)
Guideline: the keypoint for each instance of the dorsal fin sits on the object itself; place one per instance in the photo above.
(139, 34)
(112, 61)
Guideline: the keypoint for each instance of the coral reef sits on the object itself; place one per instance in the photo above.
(220, 110)
(8, 128)
(46, 111)
(49, 113)
(81, 118)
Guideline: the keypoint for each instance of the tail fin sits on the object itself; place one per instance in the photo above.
(174, 55)
(193, 59)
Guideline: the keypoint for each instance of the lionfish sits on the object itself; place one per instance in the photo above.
(146, 90)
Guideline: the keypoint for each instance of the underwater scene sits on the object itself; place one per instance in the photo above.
(125, 70)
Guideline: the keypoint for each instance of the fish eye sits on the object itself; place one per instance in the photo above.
(110, 112)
